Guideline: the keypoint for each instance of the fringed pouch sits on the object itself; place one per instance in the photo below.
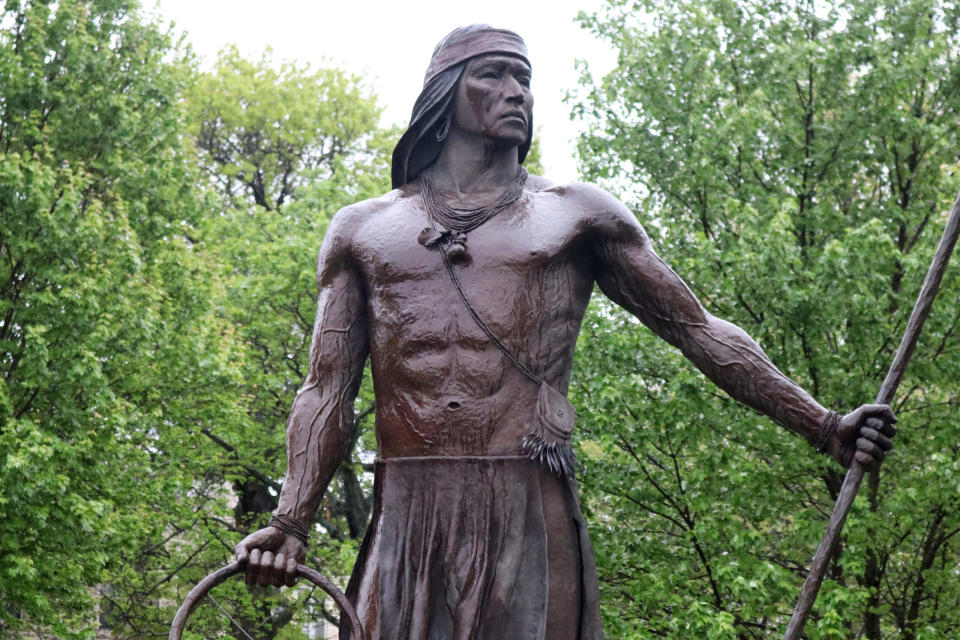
(548, 441)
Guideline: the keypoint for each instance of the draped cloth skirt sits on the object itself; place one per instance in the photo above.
(474, 548)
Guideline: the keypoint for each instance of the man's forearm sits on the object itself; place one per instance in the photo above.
(317, 437)
(737, 364)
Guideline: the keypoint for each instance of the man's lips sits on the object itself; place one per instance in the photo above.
(519, 115)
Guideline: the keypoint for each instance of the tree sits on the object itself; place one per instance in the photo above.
(795, 164)
(265, 132)
(112, 356)
(283, 148)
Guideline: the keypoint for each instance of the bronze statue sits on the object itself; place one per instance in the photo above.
(466, 285)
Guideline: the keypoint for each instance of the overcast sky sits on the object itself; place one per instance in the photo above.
(389, 45)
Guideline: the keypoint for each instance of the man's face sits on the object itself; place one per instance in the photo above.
(493, 99)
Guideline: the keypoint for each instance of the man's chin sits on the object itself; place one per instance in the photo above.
(512, 136)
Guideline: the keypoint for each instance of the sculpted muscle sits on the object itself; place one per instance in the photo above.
(633, 276)
(442, 387)
(473, 534)
(319, 426)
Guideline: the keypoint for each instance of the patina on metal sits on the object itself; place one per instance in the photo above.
(470, 538)
(203, 588)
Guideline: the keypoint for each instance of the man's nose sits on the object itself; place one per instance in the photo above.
(513, 90)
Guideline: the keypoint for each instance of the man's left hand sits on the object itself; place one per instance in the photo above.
(864, 435)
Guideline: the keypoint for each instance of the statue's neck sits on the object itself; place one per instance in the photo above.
(474, 166)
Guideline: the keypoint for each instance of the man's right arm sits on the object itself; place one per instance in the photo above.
(321, 420)
(631, 274)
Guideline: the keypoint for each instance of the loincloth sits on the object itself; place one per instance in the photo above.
(457, 549)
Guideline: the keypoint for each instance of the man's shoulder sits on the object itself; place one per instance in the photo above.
(588, 200)
(348, 220)
(358, 212)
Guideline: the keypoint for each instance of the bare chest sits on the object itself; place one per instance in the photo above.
(528, 264)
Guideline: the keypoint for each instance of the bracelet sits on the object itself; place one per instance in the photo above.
(290, 526)
(827, 428)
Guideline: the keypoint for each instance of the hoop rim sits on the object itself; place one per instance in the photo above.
(220, 575)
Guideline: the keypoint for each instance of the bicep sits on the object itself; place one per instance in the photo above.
(339, 344)
(632, 275)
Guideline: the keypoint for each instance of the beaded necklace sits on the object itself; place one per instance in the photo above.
(450, 225)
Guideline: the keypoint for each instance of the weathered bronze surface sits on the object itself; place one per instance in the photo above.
(469, 538)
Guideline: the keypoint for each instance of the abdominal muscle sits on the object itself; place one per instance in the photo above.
(457, 403)
(477, 403)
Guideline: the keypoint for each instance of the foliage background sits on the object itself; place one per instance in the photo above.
(793, 161)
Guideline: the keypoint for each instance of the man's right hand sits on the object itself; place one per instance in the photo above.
(271, 557)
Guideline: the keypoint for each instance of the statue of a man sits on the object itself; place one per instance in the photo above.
(466, 285)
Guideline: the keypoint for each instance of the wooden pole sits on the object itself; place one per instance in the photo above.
(851, 483)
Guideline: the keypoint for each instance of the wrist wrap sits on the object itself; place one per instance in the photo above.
(290, 526)
(827, 428)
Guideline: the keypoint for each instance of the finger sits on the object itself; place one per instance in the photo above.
(869, 448)
(885, 428)
(266, 569)
(865, 460)
(291, 574)
(279, 564)
(882, 411)
(253, 567)
(888, 429)
(242, 554)
(876, 437)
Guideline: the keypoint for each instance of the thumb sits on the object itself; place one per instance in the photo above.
(850, 423)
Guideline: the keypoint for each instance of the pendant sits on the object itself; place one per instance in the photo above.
(453, 243)
(457, 251)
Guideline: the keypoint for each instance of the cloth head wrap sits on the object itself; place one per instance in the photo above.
(418, 148)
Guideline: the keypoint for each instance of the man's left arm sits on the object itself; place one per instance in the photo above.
(632, 275)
